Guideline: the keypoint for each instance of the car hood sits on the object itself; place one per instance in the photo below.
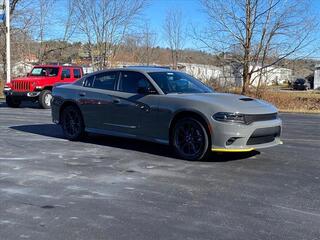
(230, 102)
(29, 79)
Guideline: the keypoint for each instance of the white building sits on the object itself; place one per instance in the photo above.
(205, 72)
(224, 75)
(270, 76)
(21, 69)
(316, 83)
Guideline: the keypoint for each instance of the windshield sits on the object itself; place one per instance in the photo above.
(178, 82)
(45, 71)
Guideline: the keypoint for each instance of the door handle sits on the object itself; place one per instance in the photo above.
(82, 94)
(116, 101)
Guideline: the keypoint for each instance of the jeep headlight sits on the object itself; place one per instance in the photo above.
(229, 117)
(7, 88)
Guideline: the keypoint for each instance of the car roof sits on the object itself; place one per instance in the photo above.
(148, 68)
(140, 69)
(55, 66)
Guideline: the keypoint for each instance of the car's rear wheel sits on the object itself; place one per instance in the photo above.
(45, 98)
(72, 123)
(190, 139)
(13, 102)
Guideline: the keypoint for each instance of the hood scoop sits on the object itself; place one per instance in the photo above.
(246, 99)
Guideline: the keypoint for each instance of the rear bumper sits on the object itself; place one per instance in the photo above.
(22, 95)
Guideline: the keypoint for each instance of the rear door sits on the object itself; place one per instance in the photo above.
(76, 74)
(66, 75)
(96, 99)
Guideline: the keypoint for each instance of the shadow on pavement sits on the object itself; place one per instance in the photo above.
(26, 104)
(55, 131)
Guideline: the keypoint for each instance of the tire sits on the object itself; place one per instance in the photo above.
(190, 139)
(45, 99)
(72, 123)
(13, 102)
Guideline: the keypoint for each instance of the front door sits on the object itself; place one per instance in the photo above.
(128, 104)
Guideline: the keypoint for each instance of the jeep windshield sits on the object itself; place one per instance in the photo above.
(44, 72)
(177, 82)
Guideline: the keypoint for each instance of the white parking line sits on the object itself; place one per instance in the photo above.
(298, 211)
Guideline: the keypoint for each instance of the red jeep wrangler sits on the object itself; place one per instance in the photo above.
(38, 84)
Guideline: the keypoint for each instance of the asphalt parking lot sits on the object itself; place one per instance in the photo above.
(111, 188)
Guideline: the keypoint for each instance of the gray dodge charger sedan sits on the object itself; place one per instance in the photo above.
(164, 106)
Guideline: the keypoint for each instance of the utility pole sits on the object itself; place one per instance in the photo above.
(8, 53)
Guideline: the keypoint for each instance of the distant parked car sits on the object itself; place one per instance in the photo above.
(37, 86)
(301, 84)
(164, 106)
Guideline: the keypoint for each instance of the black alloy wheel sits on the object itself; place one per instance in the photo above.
(72, 123)
(190, 139)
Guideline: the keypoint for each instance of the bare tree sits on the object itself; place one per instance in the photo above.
(257, 33)
(20, 23)
(68, 23)
(104, 24)
(43, 17)
(174, 34)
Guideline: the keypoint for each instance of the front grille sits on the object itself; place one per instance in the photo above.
(250, 118)
(264, 135)
(21, 86)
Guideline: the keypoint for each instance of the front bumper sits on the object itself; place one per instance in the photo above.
(25, 95)
(233, 137)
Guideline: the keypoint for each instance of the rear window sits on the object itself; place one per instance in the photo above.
(76, 73)
(106, 80)
(66, 73)
(88, 82)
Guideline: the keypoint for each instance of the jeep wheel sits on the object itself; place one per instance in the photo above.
(72, 123)
(13, 102)
(45, 98)
(190, 139)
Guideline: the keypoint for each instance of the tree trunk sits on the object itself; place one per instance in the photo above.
(246, 79)
(247, 49)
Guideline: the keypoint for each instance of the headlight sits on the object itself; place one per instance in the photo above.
(229, 117)
(7, 88)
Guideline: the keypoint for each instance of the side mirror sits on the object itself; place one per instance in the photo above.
(28, 74)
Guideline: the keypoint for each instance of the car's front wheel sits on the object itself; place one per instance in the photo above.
(13, 102)
(72, 123)
(190, 139)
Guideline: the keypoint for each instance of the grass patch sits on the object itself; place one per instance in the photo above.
(293, 101)
(286, 101)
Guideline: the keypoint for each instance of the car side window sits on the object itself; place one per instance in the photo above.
(76, 73)
(106, 80)
(131, 81)
(88, 82)
(66, 73)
